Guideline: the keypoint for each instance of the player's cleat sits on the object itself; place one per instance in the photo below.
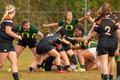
(9, 69)
(75, 70)
(40, 69)
(69, 70)
(73, 67)
(81, 70)
(43, 69)
(31, 69)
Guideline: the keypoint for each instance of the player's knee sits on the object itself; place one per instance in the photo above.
(98, 64)
(57, 55)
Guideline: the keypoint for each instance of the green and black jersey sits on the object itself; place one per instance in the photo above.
(69, 27)
(91, 44)
(29, 34)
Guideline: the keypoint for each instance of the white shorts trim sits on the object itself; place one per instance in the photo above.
(93, 51)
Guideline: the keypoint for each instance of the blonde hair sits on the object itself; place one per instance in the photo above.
(8, 9)
(104, 10)
(106, 7)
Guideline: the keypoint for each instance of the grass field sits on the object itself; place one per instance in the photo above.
(25, 61)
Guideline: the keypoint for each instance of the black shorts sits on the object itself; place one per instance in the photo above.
(31, 43)
(6, 46)
(66, 46)
(43, 47)
(48, 63)
(107, 46)
(60, 49)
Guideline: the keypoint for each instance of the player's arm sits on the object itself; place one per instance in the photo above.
(91, 30)
(92, 33)
(89, 17)
(51, 25)
(40, 34)
(8, 30)
(118, 33)
(118, 30)
(65, 41)
(81, 39)
(117, 53)
(81, 19)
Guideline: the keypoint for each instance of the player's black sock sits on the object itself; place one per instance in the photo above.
(110, 77)
(66, 66)
(118, 68)
(82, 66)
(31, 69)
(41, 65)
(102, 76)
(15, 75)
(59, 67)
(105, 77)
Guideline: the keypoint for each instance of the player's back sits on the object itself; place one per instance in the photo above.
(107, 28)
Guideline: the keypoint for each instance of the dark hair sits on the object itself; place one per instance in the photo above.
(104, 11)
(80, 28)
(24, 21)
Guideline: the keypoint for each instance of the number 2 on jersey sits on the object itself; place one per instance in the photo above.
(107, 28)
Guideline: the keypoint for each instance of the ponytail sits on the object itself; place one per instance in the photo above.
(9, 9)
(98, 19)
(6, 13)
(104, 10)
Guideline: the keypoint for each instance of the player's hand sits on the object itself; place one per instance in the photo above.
(64, 37)
(117, 53)
(19, 37)
(88, 13)
(44, 25)
(85, 42)
(71, 38)
(85, 38)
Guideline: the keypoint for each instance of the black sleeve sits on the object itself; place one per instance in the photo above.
(58, 41)
(96, 28)
(8, 24)
(76, 20)
(62, 32)
(60, 49)
(61, 22)
(116, 27)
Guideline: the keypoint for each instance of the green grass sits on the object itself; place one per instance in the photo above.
(24, 62)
